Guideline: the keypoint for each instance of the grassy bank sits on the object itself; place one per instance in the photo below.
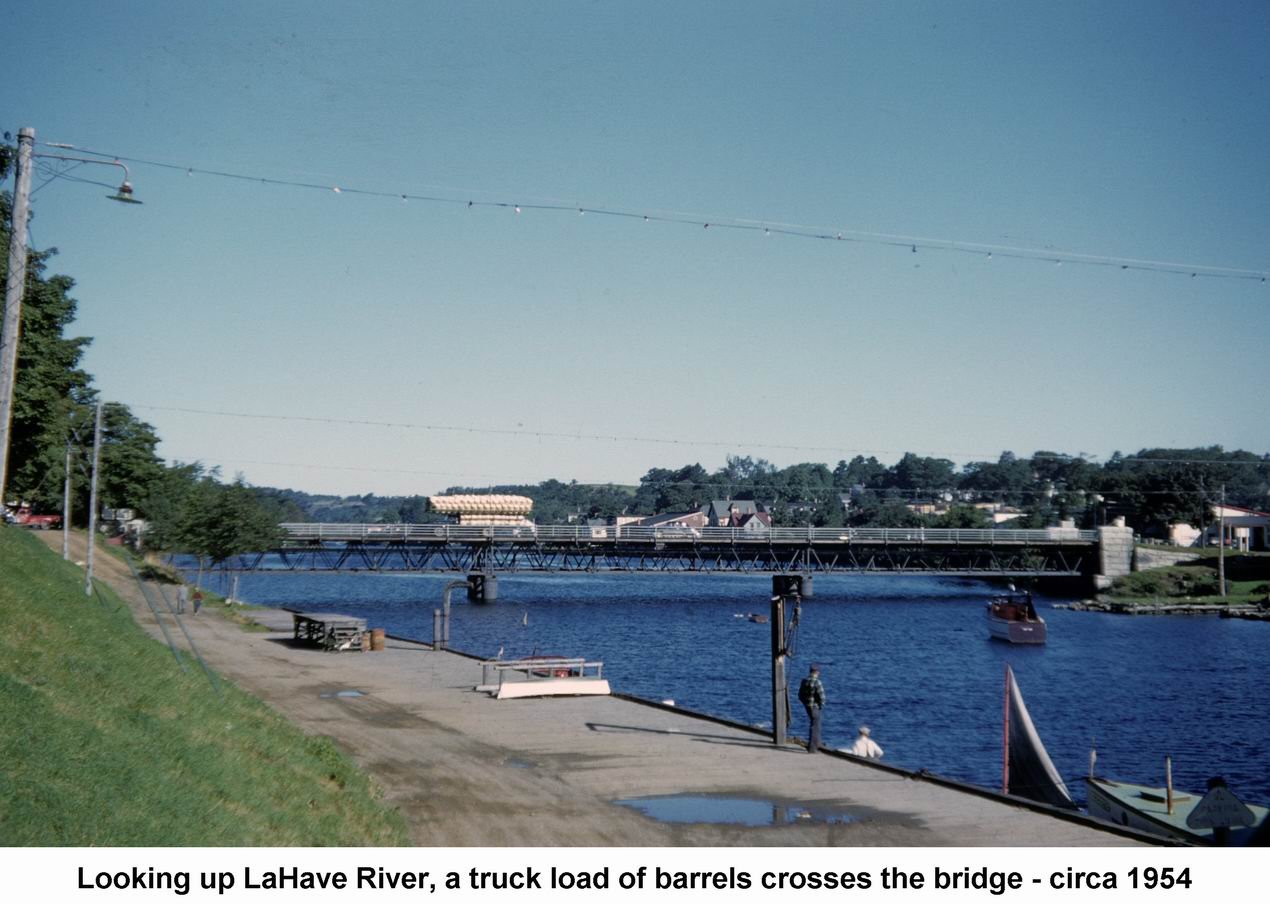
(106, 741)
(1247, 577)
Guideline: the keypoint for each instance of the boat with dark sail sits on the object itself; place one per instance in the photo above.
(1026, 767)
(1012, 617)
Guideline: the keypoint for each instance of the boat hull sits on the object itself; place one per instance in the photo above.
(1032, 631)
(1146, 808)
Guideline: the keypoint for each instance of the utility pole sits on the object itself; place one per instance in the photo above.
(66, 506)
(14, 286)
(1221, 543)
(92, 503)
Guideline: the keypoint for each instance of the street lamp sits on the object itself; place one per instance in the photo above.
(16, 283)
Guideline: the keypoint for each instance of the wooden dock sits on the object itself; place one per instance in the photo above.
(467, 769)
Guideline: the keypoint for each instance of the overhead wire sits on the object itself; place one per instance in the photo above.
(706, 222)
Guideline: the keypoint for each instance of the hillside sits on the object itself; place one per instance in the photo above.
(108, 742)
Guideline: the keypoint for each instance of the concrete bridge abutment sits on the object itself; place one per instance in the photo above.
(1115, 553)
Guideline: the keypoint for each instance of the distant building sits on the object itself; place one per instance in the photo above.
(927, 508)
(1246, 529)
(674, 519)
(755, 524)
(729, 512)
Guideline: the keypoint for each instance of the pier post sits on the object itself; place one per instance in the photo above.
(783, 585)
(443, 636)
(482, 588)
(806, 589)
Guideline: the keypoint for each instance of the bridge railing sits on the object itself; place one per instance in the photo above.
(464, 533)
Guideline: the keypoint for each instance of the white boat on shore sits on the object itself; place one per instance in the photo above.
(1215, 818)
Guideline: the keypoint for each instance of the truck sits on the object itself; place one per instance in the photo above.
(22, 516)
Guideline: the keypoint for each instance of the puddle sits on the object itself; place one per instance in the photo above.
(742, 811)
(329, 694)
(516, 762)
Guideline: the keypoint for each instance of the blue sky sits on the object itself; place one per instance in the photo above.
(1133, 131)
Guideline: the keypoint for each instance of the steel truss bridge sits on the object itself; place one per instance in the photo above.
(488, 551)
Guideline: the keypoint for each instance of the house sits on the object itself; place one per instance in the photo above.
(1245, 529)
(729, 512)
(755, 524)
(674, 519)
(927, 508)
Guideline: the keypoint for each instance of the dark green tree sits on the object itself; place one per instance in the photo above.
(49, 382)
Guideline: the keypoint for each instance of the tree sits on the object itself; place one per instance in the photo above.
(919, 474)
(199, 515)
(49, 382)
(129, 464)
(860, 471)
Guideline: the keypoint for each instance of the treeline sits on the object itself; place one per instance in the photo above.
(187, 507)
(1150, 489)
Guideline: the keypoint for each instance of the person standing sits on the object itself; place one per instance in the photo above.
(182, 596)
(198, 600)
(811, 694)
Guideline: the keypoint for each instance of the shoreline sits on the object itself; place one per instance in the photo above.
(464, 769)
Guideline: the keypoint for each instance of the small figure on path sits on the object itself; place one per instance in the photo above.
(865, 746)
(811, 694)
(182, 597)
(198, 601)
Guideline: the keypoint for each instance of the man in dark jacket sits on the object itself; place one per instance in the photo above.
(811, 693)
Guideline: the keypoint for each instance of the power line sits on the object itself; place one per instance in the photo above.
(545, 434)
(550, 434)
(706, 222)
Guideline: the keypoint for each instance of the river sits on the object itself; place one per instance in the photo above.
(909, 656)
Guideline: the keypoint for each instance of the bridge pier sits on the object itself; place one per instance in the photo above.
(806, 588)
(1115, 553)
(482, 588)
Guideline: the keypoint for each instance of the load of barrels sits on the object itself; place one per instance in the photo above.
(493, 509)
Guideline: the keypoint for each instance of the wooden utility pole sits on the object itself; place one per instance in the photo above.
(14, 286)
(780, 715)
(784, 586)
(1221, 544)
(92, 503)
(66, 507)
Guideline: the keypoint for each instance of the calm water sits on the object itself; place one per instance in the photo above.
(908, 656)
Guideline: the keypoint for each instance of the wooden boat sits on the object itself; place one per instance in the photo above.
(542, 676)
(1215, 818)
(1026, 767)
(1013, 618)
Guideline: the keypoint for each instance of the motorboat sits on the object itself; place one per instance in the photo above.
(1012, 617)
(1215, 818)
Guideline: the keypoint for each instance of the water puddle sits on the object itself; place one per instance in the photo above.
(742, 811)
(329, 694)
(516, 762)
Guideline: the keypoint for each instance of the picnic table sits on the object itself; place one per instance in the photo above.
(330, 631)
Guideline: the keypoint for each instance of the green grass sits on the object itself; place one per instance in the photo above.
(105, 741)
(1248, 579)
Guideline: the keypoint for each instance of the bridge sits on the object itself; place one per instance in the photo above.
(482, 553)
